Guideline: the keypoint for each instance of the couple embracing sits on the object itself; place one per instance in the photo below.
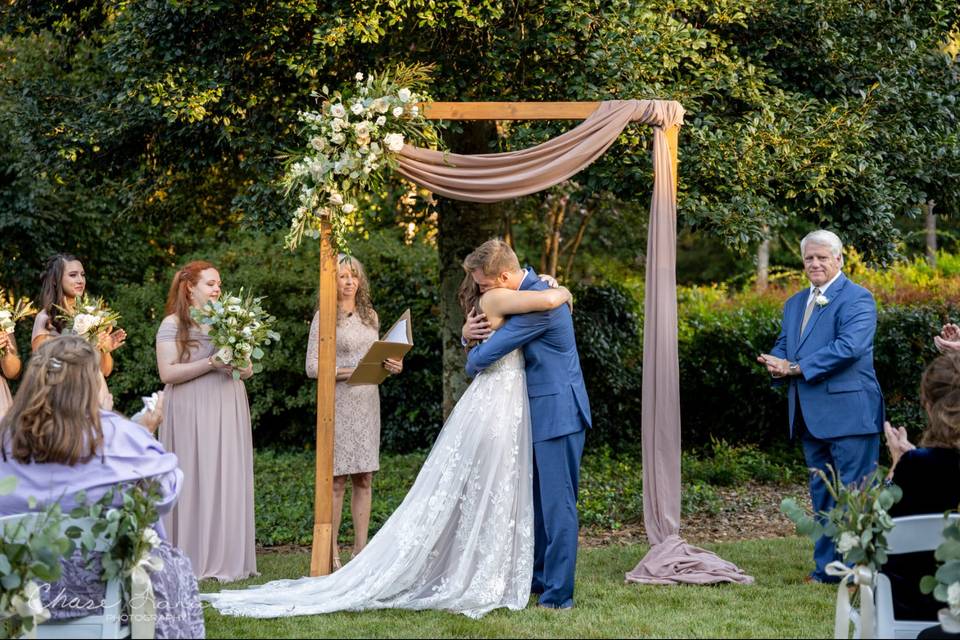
(492, 515)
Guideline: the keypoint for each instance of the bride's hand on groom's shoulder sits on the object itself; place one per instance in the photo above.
(550, 280)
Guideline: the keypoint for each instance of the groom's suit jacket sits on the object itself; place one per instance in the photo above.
(558, 397)
(838, 389)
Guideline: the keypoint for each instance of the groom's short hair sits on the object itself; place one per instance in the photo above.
(493, 257)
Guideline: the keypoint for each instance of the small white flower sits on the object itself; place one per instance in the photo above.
(380, 105)
(822, 300)
(847, 542)
(953, 597)
(348, 208)
(397, 112)
(404, 95)
(357, 108)
(317, 142)
(225, 355)
(361, 128)
(84, 322)
(336, 198)
(151, 538)
(338, 111)
(382, 120)
(27, 603)
(414, 110)
(359, 77)
(338, 138)
(394, 141)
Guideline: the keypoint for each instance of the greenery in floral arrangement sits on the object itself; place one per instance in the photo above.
(859, 522)
(12, 311)
(30, 551)
(129, 528)
(945, 584)
(350, 146)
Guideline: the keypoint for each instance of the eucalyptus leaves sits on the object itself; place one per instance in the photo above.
(239, 329)
(945, 584)
(350, 147)
(858, 523)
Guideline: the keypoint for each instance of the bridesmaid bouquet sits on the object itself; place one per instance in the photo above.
(89, 318)
(239, 327)
(12, 311)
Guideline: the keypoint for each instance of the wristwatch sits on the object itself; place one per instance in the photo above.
(794, 368)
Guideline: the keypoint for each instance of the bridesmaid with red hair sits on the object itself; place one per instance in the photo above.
(206, 422)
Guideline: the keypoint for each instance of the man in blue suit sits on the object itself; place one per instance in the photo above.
(559, 414)
(825, 354)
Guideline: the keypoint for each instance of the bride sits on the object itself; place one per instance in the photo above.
(462, 539)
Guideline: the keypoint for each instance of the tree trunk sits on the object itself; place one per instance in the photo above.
(931, 225)
(462, 227)
(763, 261)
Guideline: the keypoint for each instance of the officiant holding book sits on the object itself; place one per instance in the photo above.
(356, 448)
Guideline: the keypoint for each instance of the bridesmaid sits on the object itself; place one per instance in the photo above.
(356, 447)
(63, 281)
(206, 422)
(9, 368)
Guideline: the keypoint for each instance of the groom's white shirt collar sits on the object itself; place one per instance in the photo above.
(526, 272)
(823, 289)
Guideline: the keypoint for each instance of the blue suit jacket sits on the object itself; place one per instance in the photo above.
(838, 389)
(558, 396)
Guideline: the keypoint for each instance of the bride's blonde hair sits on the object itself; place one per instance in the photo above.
(55, 415)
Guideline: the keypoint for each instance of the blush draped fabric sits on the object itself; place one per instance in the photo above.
(502, 176)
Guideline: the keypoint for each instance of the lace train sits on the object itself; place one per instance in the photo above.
(461, 540)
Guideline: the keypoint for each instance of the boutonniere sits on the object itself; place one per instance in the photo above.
(821, 300)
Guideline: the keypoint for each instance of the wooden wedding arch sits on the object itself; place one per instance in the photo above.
(323, 535)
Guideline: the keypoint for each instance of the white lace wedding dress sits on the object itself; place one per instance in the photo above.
(461, 541)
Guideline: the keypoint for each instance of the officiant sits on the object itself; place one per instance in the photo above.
(356, 446)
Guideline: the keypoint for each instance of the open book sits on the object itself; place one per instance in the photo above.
(394, 344)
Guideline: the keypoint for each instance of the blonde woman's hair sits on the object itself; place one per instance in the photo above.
(940, 395)
(364, 304)
(55, 415)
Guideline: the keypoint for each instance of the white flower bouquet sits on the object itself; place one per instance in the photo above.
(89, 318)
(351, 142)
(239, 328)
(12, 311)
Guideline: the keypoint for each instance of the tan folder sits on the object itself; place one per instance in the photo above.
(395, 344)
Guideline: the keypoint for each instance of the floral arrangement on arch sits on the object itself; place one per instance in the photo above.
(351, 142)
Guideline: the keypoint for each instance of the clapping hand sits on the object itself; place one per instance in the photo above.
(777, 367)
(7, 343)
(897, 443)
(949, 338)
(109, 341)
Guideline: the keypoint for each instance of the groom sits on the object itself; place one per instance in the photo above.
(559, 413)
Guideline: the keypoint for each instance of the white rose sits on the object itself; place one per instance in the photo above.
(397, 112)
(359, 77)
(338, 138)
(363, 139)
(338, 111)
(5, 315)
(151, 538)
(847, 542)
(382, 120)
(27, 603)
(84, 322)
(394, 141)
(361, 128)
(317, 143)
(225, 355)
(380, 105)
(404, 95)
(337, 124)
(822, 300)
(348, 208)
(357, 108)
(336, 199)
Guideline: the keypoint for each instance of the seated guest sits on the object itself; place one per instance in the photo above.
(57, 440)
(930, 479)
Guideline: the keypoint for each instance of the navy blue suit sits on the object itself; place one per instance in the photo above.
(836, 406)
(559, 414)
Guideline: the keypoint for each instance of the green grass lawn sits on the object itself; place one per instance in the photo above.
(777, 605)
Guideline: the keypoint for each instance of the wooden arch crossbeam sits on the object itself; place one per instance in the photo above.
(323, 534)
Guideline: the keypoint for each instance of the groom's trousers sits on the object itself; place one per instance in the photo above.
(556, 481)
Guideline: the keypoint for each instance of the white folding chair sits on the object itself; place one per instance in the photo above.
(909, 534)
(103, 625)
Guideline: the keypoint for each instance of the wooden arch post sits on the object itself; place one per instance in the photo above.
(323, 535)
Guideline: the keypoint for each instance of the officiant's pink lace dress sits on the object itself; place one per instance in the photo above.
(356, 440)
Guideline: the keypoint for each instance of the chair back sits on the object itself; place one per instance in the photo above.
(917, 533)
